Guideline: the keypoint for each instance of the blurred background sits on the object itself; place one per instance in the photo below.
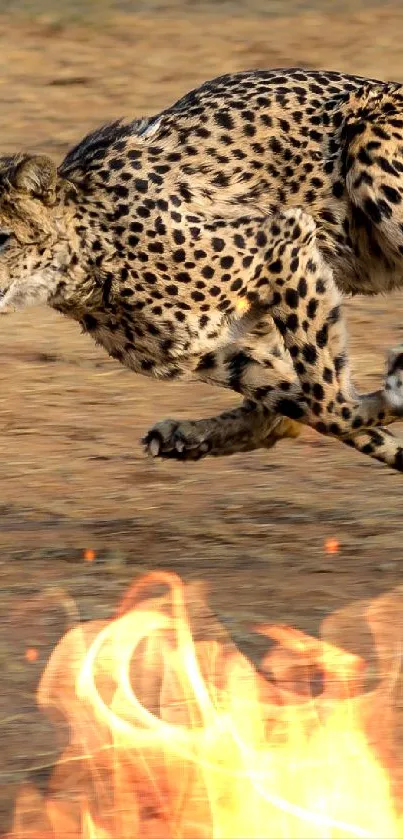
(288, 535)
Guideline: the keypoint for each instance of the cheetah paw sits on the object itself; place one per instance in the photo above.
(394, 379)
(176, 440)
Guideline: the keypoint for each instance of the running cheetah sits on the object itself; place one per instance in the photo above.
(181, 244)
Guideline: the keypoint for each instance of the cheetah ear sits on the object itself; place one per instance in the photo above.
(36, 175)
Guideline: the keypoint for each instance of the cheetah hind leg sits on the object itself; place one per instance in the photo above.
(322, 394)
(332, 405)
(244, 429)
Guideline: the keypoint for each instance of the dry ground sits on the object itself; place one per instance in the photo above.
(72, 472)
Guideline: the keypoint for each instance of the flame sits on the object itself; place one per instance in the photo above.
(174, 734)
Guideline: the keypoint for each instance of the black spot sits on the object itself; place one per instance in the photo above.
(289, 409)
(156, 247)
(397, 364)
(160, 227)
(89, 323)
(309, 353)
(391, 194)
(338, 189)
(386, 166)
(117, 164)
(261, 392)
(150, 277)
(292, 298)
(340, 362)
(207, 362)
(372, 210)
(322, 336)
(179, 238)
(318, 392)
(226, 262)
(107, 287)
(276, 267)
(217, 244)
(275, 145)
(334, 315)
(236, 367)
(399, 460)
(183, 277)
(236, 285)
(302, 287)
(312, 308)
(292, 322)
(121, 191)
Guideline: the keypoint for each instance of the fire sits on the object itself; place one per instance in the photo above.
(175, 735)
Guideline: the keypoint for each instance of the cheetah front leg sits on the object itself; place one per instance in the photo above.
(244, 429)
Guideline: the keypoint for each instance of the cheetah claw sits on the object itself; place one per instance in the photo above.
(175, 440)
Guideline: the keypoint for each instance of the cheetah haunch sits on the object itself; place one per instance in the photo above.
(177, 242)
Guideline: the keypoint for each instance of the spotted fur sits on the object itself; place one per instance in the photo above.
(178, 243)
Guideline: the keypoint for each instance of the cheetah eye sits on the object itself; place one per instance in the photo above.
(4, 237)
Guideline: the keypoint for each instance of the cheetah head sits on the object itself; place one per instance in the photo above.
(33, 240)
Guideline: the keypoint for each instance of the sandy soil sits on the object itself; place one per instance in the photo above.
(72, 472)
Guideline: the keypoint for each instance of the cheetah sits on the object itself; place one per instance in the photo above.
(213, 242)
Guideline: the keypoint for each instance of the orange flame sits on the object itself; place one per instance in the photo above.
(178, 736)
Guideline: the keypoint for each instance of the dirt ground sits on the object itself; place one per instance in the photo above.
(72, 472)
